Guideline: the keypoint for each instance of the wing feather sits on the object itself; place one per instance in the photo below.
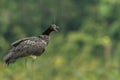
(18, 42)
(31, 46)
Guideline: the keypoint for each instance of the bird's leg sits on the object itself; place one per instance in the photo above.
(5, 65)
(33, 60)
(25, 62)
(33, 57)
(33, 65)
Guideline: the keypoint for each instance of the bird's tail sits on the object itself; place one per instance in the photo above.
(8, 58)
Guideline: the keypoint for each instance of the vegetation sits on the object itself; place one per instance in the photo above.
(86, 48)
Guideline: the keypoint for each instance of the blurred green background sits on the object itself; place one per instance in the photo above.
(86, 48)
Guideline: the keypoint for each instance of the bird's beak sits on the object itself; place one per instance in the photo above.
(57, 29)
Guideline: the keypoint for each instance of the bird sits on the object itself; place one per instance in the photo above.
(29, 46)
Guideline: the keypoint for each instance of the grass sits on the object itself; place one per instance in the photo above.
(59, 68)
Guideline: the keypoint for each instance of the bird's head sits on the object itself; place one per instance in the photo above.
(53, 27)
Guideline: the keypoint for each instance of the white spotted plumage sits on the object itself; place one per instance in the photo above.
(31, 46)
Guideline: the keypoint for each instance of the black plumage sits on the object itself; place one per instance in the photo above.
(29, 46)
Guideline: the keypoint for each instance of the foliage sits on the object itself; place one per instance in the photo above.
(86, 48)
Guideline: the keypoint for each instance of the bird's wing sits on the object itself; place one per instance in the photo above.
(21, 40)
(18, 42)
(29, 46)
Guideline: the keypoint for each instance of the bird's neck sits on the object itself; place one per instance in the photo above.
(45, 37)
(47, 32)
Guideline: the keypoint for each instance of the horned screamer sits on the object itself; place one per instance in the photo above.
(30, 46)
